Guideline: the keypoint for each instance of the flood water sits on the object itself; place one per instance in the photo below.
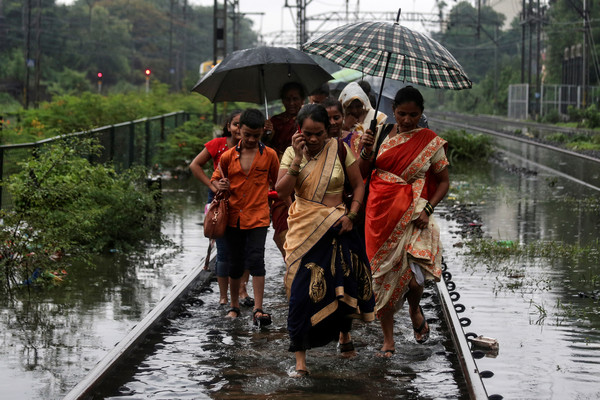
(542, 311)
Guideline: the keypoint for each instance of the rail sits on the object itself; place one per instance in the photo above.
(446, 290)
(510, 136)
(195, 279)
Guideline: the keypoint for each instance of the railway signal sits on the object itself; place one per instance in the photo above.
(147, 72)
(99, 82)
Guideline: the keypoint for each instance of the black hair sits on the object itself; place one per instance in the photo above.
(365, 86)
(408, 94)
(252, 118)
(323, 89)
(316, 112)
(230, 118)
(332, 102)
(292, 86)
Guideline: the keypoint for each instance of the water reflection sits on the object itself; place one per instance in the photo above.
(548, 332)
(51, 337)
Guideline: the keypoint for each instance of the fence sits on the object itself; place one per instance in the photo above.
(552, 98)
(124, 144)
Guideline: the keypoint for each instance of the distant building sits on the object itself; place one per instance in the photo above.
(510, 9)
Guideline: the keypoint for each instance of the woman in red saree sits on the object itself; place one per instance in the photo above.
(409, 177)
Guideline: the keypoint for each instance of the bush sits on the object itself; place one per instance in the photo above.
(62, 204)
(184, 143)
(466, 146)
(552, 117)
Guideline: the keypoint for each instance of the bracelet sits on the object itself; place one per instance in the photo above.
(364, 155)
(296, 165)
(428, 209)
(354, 200)
(352, 215)
(293, 172)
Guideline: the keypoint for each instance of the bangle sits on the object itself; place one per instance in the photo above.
(296, 165)
(359, 203)
(364, 155)
(352, 215)
(293, 172)
(428, 209)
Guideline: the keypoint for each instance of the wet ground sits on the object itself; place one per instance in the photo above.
(202, 354)
(542, 311)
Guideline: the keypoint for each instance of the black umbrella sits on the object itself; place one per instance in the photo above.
(257, 75)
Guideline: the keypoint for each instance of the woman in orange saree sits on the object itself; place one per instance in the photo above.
(409, 177)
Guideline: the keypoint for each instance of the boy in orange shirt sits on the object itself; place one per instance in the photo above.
(247, 171)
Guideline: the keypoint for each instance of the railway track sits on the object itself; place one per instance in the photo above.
(506, 129)
(445, 291)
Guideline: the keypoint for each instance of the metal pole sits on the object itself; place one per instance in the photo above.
(584, 71)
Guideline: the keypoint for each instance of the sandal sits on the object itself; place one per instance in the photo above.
(300, 373)
(419, 330)
(247, 301)
(386, 353)
(234, 310)
(346, 347)
(263, 320)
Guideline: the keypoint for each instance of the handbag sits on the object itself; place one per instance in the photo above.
(215, 220)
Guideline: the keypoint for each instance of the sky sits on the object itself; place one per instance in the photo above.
(277, 17)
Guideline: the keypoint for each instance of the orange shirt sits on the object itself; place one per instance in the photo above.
(248, 199)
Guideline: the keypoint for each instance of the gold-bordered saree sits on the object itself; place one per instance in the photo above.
(328, 279)
(399, 188)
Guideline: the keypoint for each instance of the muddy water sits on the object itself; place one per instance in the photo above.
(204, 355)
(536, 308)
(542, 311)
(50, 338)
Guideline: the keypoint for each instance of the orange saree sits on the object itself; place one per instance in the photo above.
(398, 192)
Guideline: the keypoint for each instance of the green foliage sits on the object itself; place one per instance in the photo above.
(67, 114)
(463, 146)
(588, 117)
(551, 117)
(120, 38)
(184, 143)
(62, 204)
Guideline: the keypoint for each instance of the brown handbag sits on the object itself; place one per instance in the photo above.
(215, 220)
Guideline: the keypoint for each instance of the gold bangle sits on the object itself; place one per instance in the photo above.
(296, 165)
(352, 215)
(293, 172)
(354, 200)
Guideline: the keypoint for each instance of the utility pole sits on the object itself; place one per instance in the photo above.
(301, 23)
(27, 56)
(219, 38)
(524, 18)
(584, 61)
(171, 68)
(38, 52)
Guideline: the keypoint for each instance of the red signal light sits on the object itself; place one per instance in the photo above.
(148, 72)
(100, 75)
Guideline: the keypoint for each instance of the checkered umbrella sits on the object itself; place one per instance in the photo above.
(392, 51)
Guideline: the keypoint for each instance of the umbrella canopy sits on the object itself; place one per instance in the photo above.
(413, 57)
(257, 75)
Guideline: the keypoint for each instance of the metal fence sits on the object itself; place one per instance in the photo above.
(552, 98)
(125, 144)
